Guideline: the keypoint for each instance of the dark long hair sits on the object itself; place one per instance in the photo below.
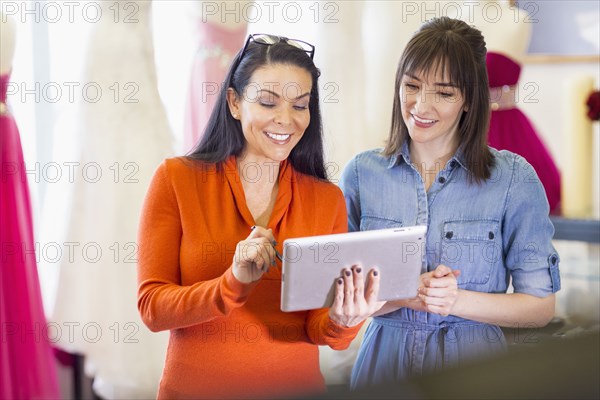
(459, 50)
(223, 135)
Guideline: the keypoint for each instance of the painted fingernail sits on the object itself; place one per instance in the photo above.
(340, 281)
(358, 270)
(375, 273)
(348, 273)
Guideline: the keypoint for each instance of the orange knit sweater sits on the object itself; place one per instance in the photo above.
(230, 339)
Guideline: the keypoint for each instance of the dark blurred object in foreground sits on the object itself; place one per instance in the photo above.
(559, 369)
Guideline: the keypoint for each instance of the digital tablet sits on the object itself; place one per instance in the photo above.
(312, 264)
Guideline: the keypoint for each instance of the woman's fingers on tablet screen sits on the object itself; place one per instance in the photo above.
(338, 300)
(348, 291)
(353, 301)
(372, 289)
(343, 302)
(359, 282)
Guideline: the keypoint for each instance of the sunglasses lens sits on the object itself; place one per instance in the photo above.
(300, 45)
(272, 39)
(265, 39)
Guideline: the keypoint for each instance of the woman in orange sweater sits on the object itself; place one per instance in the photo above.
(207, 268)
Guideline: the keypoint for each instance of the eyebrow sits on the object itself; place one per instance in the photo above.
(443, 84)
(278, 96)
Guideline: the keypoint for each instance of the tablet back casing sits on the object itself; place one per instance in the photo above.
(311, 265)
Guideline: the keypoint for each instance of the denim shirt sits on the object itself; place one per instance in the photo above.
(492, 231)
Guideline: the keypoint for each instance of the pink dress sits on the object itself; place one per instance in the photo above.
(27, 366)
(216, 50)
(511, 130)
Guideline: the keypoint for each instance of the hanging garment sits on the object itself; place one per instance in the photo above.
(217, 47)
(510, 129)
(27, 365)
(114, 143)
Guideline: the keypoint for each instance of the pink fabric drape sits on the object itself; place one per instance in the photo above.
(27, 365)
(216, 49)
(510, 129)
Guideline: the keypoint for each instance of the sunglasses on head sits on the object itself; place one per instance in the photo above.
(268, 40)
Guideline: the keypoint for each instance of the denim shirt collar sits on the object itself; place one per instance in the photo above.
(404, 156)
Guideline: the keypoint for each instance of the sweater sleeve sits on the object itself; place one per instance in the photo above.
(163, 302)
(320, 328)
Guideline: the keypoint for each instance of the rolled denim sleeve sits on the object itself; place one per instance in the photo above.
(529, 255)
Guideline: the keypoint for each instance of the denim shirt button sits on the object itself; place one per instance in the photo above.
(553, 260)
(452, 164)
(442, 180)
(449, 235)
(491, 235)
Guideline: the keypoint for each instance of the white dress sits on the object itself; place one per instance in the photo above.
(112, 144)
(358, 57)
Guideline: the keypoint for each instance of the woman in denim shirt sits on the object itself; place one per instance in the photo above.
(485, 210)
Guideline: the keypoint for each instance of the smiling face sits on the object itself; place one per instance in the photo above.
(431, 109)
(273, 111)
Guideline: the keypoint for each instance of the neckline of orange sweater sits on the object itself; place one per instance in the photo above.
(284, 194)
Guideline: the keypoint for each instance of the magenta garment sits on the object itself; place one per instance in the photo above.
(217, 48)
(511, 130)
(27, 365)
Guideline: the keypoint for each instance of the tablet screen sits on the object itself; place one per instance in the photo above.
(312, 264)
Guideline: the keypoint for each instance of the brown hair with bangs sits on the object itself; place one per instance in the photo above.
(459, 50)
